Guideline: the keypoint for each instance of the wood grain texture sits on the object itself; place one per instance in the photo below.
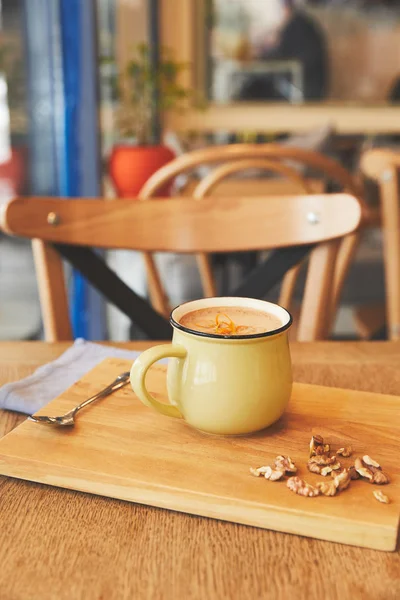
(121, 449)
(231, 224)
(96, 547)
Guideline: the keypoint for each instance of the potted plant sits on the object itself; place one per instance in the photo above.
(142, 90)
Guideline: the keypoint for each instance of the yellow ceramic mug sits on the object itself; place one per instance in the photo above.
(223, 385)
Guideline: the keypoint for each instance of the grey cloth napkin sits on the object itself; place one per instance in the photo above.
(32, 393)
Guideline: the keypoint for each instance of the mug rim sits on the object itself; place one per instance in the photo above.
(265, 334)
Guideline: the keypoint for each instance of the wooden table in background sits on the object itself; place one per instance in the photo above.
(58, 544)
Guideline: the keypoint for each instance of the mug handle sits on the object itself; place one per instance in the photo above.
(138, 376)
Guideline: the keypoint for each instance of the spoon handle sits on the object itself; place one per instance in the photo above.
(120, 382)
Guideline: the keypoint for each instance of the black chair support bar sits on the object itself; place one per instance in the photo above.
(256, 285)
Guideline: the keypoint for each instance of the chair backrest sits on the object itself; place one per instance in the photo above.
(176, 225)
(211, 182)
(235, 158)
(383, 166)
(328, 167)
(378, 161)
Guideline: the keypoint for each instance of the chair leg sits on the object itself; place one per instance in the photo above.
(207, 276)
(390, 200)
(156, 291)
(288, 285)
(315, 318)
(347, 250)
(52, 292)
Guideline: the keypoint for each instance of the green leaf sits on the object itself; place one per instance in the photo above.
(137, 86)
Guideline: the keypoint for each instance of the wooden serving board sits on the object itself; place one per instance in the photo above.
(121, 449)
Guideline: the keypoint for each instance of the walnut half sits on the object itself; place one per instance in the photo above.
(342, 480)
(369, 471)
(362, 469)
(298, 486)
(367, 460)
(268, 473)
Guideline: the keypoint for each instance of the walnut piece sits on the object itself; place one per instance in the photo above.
(381, 497)
(379, 477)
(273, 475)
(316, 441)
(258, 472)
(353, 473)
(345, 452)
(362, 469)
(327, 488)
(298, 486)
(323, 470)
(326, 471)
(367, 460)
(370, 472)
(314, 468)
(324, 449)
(268, 472)
(285, 464)
(323, 460)
(342, 480)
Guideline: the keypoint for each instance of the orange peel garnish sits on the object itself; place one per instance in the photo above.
(223, 327)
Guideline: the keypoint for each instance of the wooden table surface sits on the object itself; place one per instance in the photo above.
(68, 545)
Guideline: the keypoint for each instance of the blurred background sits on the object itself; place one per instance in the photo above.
(322, 74)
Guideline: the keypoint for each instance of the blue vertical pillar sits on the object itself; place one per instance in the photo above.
(46, 95)
(82, 148)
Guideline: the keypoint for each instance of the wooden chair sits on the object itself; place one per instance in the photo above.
(211, 182)
(383, 166)
(185, 227)
(240, 157)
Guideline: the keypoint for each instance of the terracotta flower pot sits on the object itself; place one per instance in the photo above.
(14, 170)
(131, 166)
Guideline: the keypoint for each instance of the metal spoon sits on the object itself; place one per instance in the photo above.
(69, 418)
